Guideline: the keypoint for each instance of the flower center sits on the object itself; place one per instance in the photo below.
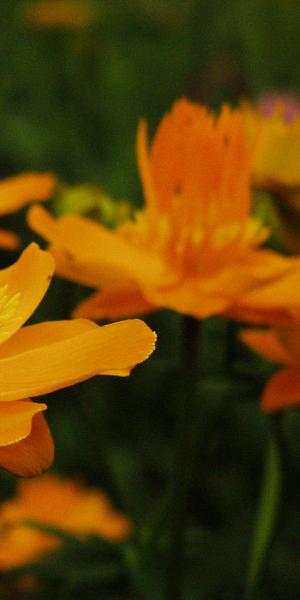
(198, 246)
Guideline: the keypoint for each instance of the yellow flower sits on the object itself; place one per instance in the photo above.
(282, 346)
(16, 192)
(63, 504)
(276, 143)
(41, 358)
(195, 247)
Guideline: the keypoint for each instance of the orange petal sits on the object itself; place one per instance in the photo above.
(32, 455)
(27, 281)
(259, 316)
(105, 249)
(42, 334)
(188, 299)
(114, 303)
(145, 169)
(267, 265)
(9, 240)
(277, 294)
(289, 336)
(85, 273)
(203, 296)
(267, 344)
(16, 192)
(64, 358)
(283, 390)
(16, 419)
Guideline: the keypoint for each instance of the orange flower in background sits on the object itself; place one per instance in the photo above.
(65, 14)
(63, 504)
(16, 192)
(195, 247)
(41, 358)
(280, 345)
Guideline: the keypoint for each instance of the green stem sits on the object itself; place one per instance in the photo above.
(184, 453)
(266, 517)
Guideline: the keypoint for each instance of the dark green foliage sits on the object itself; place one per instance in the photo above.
(70, 101)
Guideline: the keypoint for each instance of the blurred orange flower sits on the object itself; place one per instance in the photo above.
(16, 192)
(194, 248)
(63, 504)
(44, 357)
(66, 14)
(280, 345)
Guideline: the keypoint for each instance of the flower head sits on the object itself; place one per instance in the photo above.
(195, 246)
(282, 346)
(16, 192)
(45, 357)
(52, 501)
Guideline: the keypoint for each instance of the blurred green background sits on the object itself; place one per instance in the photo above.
(71, 95)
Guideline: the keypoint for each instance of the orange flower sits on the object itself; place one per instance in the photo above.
(52, 501)
(194, 248)
(41, 358)
(16, 192)
(280, 345)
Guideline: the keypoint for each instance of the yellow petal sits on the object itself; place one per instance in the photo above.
(16, 419)
(63, 359)
(32, 455)
(16, 192)
(283, 390)
(25, 283)
(114, 303)
(267, 344)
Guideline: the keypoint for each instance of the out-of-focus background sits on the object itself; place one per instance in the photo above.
(75, 78)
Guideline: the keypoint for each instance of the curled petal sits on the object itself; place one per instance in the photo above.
(32, 455)
(16, 420)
